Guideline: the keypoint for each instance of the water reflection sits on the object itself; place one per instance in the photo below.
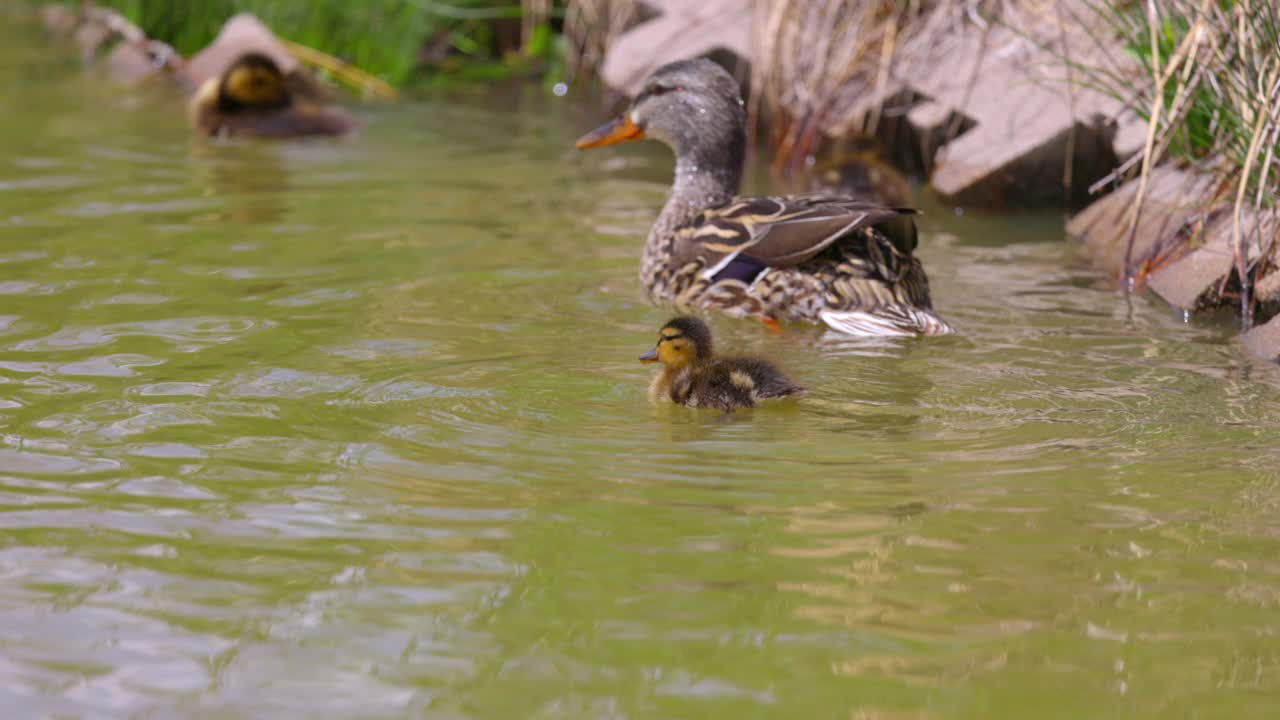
(357, 429)
(251, 178)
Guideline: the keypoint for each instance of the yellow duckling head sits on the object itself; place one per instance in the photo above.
(682, 342)
(253, 81)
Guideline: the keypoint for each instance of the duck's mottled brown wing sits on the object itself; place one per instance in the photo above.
(783, 232)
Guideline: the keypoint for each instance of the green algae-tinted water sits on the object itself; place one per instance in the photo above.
(338, 430)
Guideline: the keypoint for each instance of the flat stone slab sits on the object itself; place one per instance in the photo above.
(1183, 245)
(1192, 281)
(1025, 113)
(682, 30)
(1173, 198)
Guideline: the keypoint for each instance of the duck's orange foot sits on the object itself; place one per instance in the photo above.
(774, 326)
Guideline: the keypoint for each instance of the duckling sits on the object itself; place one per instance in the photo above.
(861, 173)
(253, 98)
(692, 374)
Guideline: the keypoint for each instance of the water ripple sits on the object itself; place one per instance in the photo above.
(310, 430)
(188, 334)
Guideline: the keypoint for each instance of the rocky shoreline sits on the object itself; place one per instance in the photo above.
(997, 119)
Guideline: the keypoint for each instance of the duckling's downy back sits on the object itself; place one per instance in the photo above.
(738, 382)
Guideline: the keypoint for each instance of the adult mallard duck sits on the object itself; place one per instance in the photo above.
(693, 375)
(253, 98)
(845, 262)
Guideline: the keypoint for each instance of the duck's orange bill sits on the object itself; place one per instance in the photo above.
(651, 356)
(615, 131)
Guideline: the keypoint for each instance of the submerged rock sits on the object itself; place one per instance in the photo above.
(1264, 340)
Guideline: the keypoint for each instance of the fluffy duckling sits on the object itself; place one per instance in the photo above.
(862, 173)
(252, 98)
(692, 375)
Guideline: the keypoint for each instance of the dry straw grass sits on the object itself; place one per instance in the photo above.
(590, 26)
(1211, 98)
(815, 58)
(820, 61)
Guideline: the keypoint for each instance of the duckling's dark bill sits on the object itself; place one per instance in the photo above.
(651, 356)
(615, 131)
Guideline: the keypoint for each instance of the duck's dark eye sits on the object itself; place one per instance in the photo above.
(656, 90)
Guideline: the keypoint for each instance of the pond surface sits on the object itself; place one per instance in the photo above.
(356, 429)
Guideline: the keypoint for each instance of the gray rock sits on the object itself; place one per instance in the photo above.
(682, 30)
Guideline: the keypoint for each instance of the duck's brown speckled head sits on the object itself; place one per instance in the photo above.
(682, 342)
(690, 105)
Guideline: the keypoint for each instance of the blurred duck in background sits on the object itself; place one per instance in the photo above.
(248, 82)
(253, 98)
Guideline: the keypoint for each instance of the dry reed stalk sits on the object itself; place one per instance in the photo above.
(825, 67)
(1237, 246)
(815, 59)
(1149, 148)
(342, 71)
(533, 13)
(590, 26)
(1068, 165)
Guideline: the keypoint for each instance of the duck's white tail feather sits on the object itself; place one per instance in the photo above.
(887, 322)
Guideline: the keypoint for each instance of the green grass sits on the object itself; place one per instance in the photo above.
(382, 37)
(1210, 77)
